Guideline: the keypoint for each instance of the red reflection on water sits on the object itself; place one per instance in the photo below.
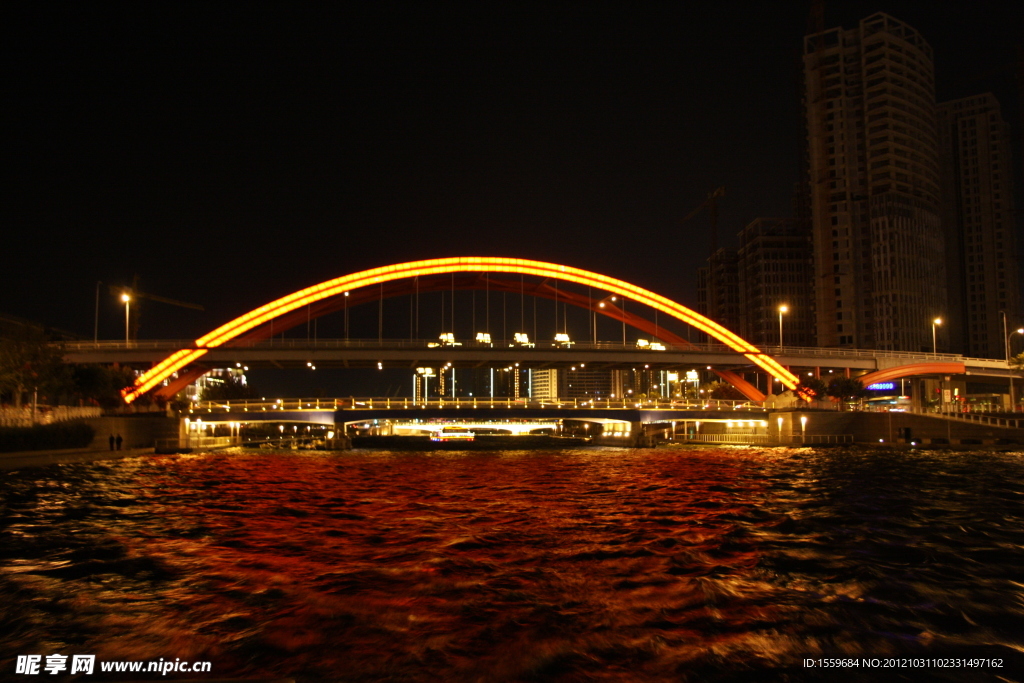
(450, 566)
(598, 565)
(458, 564)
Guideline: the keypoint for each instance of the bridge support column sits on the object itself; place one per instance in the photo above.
(641, 439)
(183, 428)
(341, 440)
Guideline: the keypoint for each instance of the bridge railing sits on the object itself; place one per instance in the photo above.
(377, 403)
(114, 345)
(296, 343)
(978, 418)
(955, 412)
(768, 439)
(825, 352)
(307, 344)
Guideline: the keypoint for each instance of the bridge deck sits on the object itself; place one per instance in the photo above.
(416, 353)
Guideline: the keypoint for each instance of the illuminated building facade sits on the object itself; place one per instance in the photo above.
(874, 182)
(544, 384)
(978, 216)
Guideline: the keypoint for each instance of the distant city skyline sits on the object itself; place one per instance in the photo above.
(905, 209)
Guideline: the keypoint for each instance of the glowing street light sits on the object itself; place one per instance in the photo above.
(782, 309)
(937, 321)
(1013, 398)
(127, 301)
(346, 316)
(622, 307)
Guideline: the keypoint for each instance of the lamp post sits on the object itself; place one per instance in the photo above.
(937, 321)
(782, 309)
(1020, 330)
(127, 303)
(622, 307)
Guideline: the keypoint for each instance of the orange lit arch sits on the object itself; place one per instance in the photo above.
(913, 370)
(471, 264)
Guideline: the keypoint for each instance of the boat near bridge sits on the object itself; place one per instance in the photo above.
(458, 434)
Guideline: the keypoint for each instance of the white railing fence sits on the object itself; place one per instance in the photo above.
(377, 403)
(767, 439)
(295, 343)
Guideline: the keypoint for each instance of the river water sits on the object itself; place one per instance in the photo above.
(669, 564)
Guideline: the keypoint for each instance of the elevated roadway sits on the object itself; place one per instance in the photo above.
(409, 354)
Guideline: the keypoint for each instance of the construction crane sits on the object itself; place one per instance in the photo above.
(135, 296)
(712, 204)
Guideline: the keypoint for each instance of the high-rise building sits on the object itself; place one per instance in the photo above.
(640, 381)
(774, 270)
(577, 382)
(544, 384)
(978, 216)
(869, 99)
(580, 382)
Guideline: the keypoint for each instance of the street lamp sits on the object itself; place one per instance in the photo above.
(782, 309)
(622, 308)
(937, 321)
(127, 302)
(1020, 330)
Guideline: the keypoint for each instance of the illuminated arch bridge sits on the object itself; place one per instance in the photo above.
(248, 323)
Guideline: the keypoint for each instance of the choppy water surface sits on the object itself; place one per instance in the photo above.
(597, 565)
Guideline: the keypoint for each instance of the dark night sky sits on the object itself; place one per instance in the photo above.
(231, 153)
